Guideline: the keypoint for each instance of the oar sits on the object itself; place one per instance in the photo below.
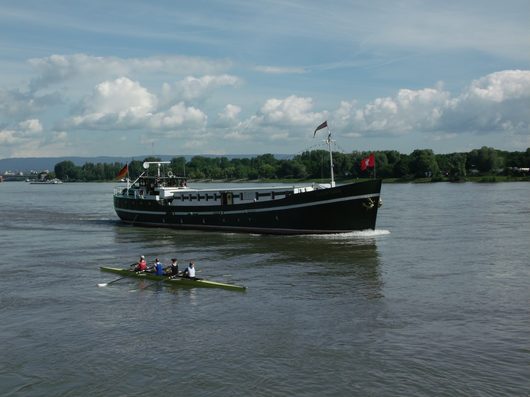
(105, 284)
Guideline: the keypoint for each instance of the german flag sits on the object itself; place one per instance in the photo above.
(123, 172)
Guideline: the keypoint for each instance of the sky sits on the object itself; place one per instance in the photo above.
(130, 78)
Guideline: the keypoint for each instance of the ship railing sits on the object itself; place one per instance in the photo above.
(126, 192)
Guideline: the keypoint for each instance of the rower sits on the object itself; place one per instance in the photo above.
(174, 267)
(141, 266)
(190, 271)
(158, 268)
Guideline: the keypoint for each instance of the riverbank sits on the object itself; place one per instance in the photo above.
(474, 179)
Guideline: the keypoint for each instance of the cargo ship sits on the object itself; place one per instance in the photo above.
(159, 198)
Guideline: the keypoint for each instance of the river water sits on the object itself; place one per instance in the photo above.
(434, 302)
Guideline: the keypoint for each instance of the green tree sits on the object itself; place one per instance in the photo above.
(393, 156)
(66, 170)
(89, 172)
(291, 169)
(423, 163)
(485, 159)
(382, 166)
(198, 167)
(178, 166)
(401, 169)
(135, 169)
(267, 171)
(316, 163)
(355, 168)
(266, 165)
(457, 166)
(342, 164)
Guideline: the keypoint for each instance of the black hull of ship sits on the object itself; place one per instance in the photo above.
(339, 209)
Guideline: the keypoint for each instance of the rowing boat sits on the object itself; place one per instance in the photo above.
(176, 282)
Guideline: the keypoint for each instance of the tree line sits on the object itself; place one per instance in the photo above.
(421, 163)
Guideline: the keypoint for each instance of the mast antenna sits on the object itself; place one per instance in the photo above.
(329, 141)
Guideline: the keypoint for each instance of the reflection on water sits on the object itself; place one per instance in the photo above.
(334, 259)
(345, 248)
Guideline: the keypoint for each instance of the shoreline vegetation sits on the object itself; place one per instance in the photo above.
(474, 179)
(421, 166)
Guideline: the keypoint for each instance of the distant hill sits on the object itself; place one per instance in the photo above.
(26, 164)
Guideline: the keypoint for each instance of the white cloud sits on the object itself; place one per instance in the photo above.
(16, 104)
(237, 135)
(31, 126)
(178, 64)
(409, 110)
(195, 143)
(280, 70)
(54, 144)
(119, 103)
(442, 137)
(9, 137)
(230, 113)
(61, 68)
(500, 86)
(279, 119)
(289, 111)
(123, 103)
(24, 131)
(498, 102)
(59, 136)
(177, 116)
(197, 87)
(495, 104)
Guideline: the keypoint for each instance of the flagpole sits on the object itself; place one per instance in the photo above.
(330, 158)
(328, 141)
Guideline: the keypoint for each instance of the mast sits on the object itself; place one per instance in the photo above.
(146, 165)
(329, 141)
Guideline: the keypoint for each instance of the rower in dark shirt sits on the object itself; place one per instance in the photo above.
(174, 268)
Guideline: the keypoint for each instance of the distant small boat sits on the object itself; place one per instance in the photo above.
(53, 181)
(176, 282)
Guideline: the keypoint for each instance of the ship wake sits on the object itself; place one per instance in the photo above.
(360, 234)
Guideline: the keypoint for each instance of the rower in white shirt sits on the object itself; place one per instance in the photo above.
(190, 270)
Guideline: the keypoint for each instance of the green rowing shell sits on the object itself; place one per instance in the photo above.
(178, 281)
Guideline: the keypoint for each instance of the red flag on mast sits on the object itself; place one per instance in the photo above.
(368, 162)
(123, 172)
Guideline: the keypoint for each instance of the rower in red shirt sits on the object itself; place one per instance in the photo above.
(141, 266)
